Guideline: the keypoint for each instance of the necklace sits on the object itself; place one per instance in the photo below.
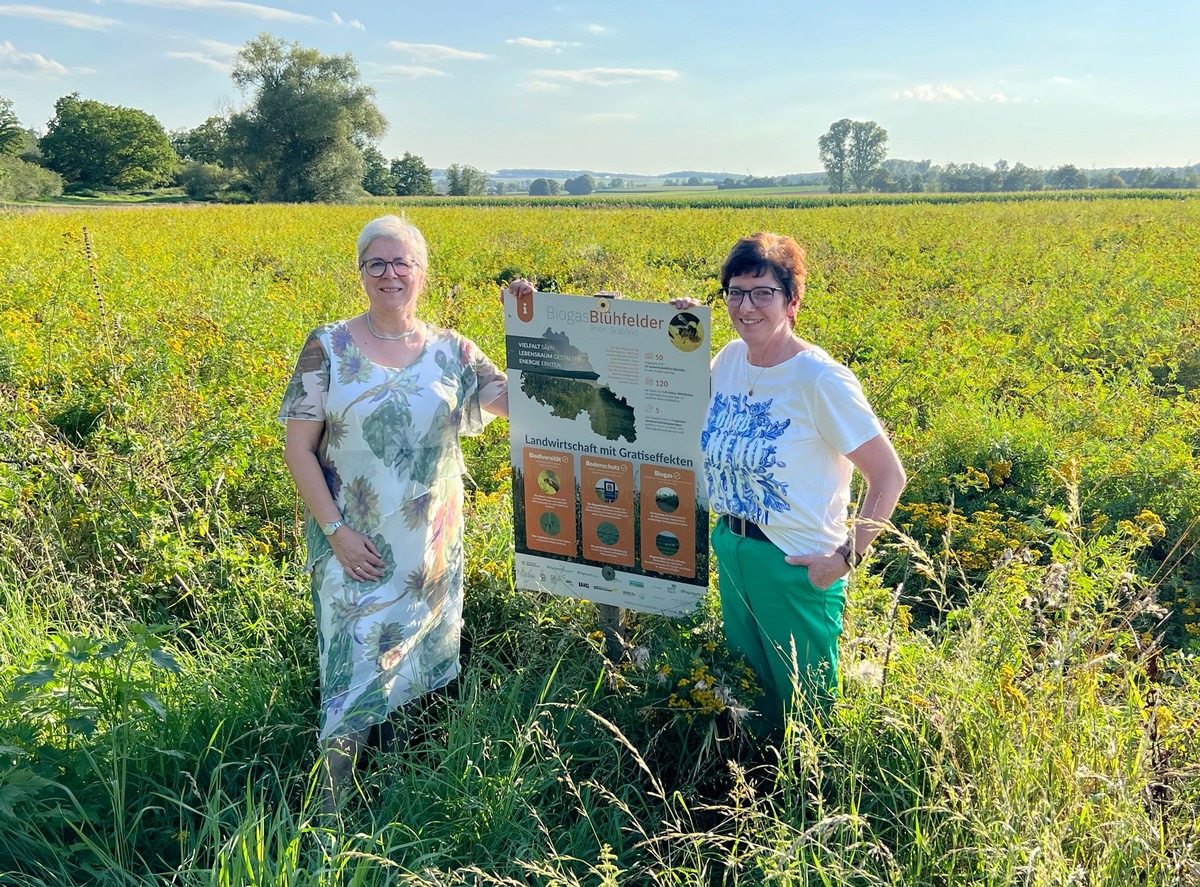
(750, 385)
(405, 335)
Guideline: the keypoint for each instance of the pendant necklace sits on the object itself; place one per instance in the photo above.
(750, 385)
(405, 335)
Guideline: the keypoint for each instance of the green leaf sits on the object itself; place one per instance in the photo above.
(86, 726)
(38, 678)
(163, 659)
(153, 702)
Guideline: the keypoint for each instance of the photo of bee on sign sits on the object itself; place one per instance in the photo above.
(685, 331)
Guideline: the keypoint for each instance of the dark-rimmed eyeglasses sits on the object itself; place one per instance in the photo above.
(378, 267)
(760, 296)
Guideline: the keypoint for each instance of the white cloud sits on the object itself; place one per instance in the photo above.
(555, 46)
(27, 64)
(413, 72)
(434, 52)
(217, 48)
(927, 92)
(231, 7)
(596, 29)
(203, 59)
(1060, 79)
(60, 17)
(341, 22)
(604, 76)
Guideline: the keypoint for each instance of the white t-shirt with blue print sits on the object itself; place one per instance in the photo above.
(778, 458)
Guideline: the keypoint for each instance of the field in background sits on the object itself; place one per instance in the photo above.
(1009, 714)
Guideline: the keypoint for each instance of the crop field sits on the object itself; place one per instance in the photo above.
(1020, 698)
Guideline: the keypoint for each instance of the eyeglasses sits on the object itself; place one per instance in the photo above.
(377, 267)
(760, 296)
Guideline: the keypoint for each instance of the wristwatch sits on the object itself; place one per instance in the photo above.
(849, 555)
(331, 528)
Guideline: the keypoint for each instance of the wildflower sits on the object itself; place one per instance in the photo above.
(1054, 586)
(867, 672)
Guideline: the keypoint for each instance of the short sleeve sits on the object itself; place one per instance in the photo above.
(483, 382)
(308, 388)
(841, 413)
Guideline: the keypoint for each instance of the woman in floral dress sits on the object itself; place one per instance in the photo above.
(373, 412)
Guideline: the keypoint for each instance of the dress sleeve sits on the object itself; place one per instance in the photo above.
(841, 411)
(308, 388)
(483, 382)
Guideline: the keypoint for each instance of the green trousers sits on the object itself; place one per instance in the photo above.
(786, 628)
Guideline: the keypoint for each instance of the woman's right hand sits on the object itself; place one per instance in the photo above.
(357, 554)
(684, 303)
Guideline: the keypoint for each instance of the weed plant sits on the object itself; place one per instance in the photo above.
(1020, 700)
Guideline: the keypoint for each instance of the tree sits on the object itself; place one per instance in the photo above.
(21, 181)
(107, 146)
(616, 182)
(413, 178)
(964, 177)
(1023, 178)
(298, 140)
(1110, 180)
(12, 136)
(543, 187)
(584, 184)
(868, 149)
(377, 178)
(695, 180)
(834, 151)
(204, 144)
(465, 181)
(1067, 177)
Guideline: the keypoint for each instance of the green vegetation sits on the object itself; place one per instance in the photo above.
(1020, 698)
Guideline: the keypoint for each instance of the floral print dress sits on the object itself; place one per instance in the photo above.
(391, 457)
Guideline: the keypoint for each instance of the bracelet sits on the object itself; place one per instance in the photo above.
(849, 555)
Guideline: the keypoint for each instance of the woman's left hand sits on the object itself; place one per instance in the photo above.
(519, 287)
(823, 569)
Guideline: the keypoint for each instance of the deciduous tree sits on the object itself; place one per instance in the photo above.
(204, 144)
(12, 136)
(298, 140)
(868, 150)
(377, 177)
(465, 181)
(834, 151)
(584, 184)
(1067, 177)
(107, 146)
(413, 178)
(543, 187)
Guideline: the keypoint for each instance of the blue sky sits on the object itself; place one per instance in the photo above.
(652, 87)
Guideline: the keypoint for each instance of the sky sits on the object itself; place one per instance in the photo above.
(650, 88)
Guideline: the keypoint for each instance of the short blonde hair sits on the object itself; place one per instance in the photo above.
(394, 228)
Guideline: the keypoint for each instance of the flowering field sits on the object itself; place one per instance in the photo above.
(1020, 703)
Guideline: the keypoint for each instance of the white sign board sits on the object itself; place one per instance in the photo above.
(606, 403)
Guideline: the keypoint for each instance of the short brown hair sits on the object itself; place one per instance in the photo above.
(763, 252)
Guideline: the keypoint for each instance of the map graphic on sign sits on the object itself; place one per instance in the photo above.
(606, 402)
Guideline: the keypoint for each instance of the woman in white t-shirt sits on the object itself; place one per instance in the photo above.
(786, 427)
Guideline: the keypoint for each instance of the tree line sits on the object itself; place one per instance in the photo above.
(854, 154)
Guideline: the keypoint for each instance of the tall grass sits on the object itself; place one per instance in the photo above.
(1010, 713)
